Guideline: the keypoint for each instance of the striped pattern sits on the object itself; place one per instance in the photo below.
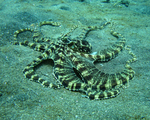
(74, 68)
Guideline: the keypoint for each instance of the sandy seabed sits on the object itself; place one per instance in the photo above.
(26, 100)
